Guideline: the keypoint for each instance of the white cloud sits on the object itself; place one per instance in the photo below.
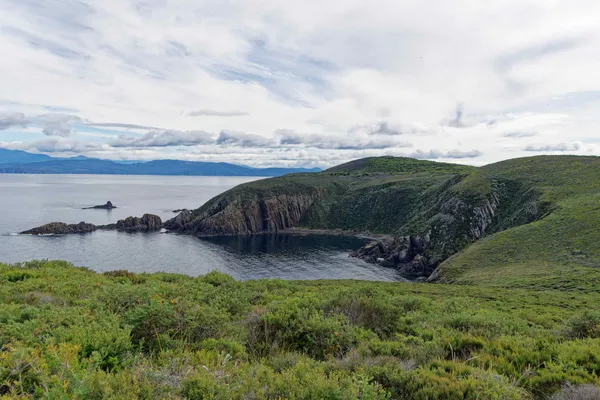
(344, 80)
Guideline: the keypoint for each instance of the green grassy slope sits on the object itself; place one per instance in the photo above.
(67, 332)
(560, 250)
(531, 218)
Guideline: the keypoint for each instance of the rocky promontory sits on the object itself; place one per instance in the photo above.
(147, 223)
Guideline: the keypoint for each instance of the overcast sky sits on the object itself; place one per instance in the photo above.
(300, 83)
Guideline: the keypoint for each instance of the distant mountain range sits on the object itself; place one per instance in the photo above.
(21, 162)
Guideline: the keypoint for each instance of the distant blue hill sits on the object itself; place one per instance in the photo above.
(84, 165)
(18, 156)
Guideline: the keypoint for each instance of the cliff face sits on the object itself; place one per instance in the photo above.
(243, 214)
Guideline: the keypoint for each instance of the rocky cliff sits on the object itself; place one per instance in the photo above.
(246, 213)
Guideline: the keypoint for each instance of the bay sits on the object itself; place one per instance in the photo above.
(27, 201)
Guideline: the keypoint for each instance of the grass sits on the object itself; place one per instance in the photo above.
(67, 332)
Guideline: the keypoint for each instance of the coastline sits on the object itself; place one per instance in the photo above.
(337, 232)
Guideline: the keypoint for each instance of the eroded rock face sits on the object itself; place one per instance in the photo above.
(147, 223)
(455, 225)
(244, 215)
(60, 228)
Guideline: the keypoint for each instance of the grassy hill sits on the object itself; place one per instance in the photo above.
(532, 218)
(562, 249)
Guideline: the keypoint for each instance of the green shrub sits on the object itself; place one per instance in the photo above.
(584, 325)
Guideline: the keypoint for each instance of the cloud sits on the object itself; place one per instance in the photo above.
(519, 134)
(458, 119)
(559, 147)
(453, 154)
(13, 120)
(120, 125)
(328, 72)
(386, 128)
(57, 124)
(216, 113)
(56, 145)
(337, 142)
(165, 138)
(243, 139)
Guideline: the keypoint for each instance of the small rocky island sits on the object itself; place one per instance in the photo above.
(147, 223)
(107, 206)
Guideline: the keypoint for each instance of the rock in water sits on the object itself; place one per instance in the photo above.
(107, 206)
(60, 228)
(148, 222)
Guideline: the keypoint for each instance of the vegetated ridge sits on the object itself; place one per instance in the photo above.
(537, 216)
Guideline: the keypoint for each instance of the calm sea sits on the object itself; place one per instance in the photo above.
(27, 201)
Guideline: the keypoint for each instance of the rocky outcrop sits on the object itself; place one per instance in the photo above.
(405, 253)
(244, 214)
(180, 221)
(454, 223)
(147, 223)
(60, 228)
(107, 206)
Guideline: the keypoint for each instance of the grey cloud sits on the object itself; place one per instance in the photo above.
(58, 145)
(120, 125)
(457, 120)
(453, 154)
(384, 128)
(216, 113)
(519, 134)
(243, 139)
(58, 129)
(554, 147)
(348, 142)
(56, 124)
(165, 138)
(14, 119)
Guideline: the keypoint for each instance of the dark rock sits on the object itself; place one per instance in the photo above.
(60, 228)
(180, 210)
(147, 223)
(107, 206)
(180, 221)
(245, 213)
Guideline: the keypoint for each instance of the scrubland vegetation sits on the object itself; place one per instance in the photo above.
(68, 332)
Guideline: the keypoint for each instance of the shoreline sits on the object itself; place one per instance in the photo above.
(336, 232)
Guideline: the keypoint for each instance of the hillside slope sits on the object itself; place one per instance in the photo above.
(560, 250)
(518, 212)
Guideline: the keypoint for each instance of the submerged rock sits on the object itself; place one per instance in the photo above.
(107, 206)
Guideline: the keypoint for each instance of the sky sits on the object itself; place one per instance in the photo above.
(300, 84)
